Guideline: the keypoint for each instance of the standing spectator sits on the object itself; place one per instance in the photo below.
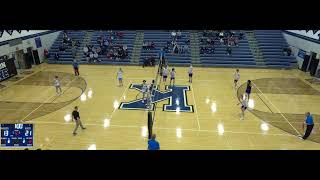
(229, 50)
(309, 123)
(76, 68)
(56, 56)
(153, 144)
(76, 117)
(46, 53)
(74, 51)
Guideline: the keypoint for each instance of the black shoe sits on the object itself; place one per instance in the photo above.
(74, 134)
(84, 128)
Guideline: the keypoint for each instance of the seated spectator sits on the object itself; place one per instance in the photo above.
(56, 56)
(62, 47)
(240, 36)
(95, 57)
(119, 35)
(221, 35)
(99, 50)
(289, 51)
(85, 49)
(175, 48)
(179, 34)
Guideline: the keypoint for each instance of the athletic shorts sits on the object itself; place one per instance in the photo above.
(172, 78)
(235, 80)
(243, 107)
(248, 91)
(165, 77)
(120, 79)
(190, 74)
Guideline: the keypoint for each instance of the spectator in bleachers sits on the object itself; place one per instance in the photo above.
(179, 34)
(74, 51)
(85, 50)
(56, 56)
(175, 48)
(229, 50)
(46, 53)
(240, 36)
(62, 47)
(119, 35)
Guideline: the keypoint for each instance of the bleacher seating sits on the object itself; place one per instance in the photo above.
(65, 56)
(271, 44)
(160, 38)
(127, 39)
(241, 55)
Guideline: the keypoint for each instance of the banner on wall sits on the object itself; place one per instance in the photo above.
(1, 32)
(301, 53)
(38, 42)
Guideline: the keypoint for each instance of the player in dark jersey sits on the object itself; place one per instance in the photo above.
(248, 90)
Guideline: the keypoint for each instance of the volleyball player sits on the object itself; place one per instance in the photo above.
(165, 73)
(120, 77)
(57, 85)
(248, 90)
(244, 105)
(144, 90)
(172, 76)
(190, 72)
(236, 78)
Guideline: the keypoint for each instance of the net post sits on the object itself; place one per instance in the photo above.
(150, 124)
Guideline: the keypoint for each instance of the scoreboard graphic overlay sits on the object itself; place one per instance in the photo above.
(16, 135)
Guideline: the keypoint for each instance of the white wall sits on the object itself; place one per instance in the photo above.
(307, 34)
(46, 41)
(297, 43)
(15, 34)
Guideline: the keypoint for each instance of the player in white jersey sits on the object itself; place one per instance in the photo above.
(244, 105)
(172, 76)
(190, 73)
(165, 74)
(236, 78)
(120, 77)
(144, 90)
(57, 85)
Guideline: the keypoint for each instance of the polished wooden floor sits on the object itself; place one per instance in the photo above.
(214, 124)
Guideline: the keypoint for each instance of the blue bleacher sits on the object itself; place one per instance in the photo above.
(67, 54)
(271, 44)
(160, 38)
(241, 55)
(127, 39)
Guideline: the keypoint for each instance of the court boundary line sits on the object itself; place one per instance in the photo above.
(195, 108)
(124, 92)
(23, 119)
(277, 110)
(162, 128)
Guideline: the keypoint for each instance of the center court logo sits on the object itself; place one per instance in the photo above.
(177, 96)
